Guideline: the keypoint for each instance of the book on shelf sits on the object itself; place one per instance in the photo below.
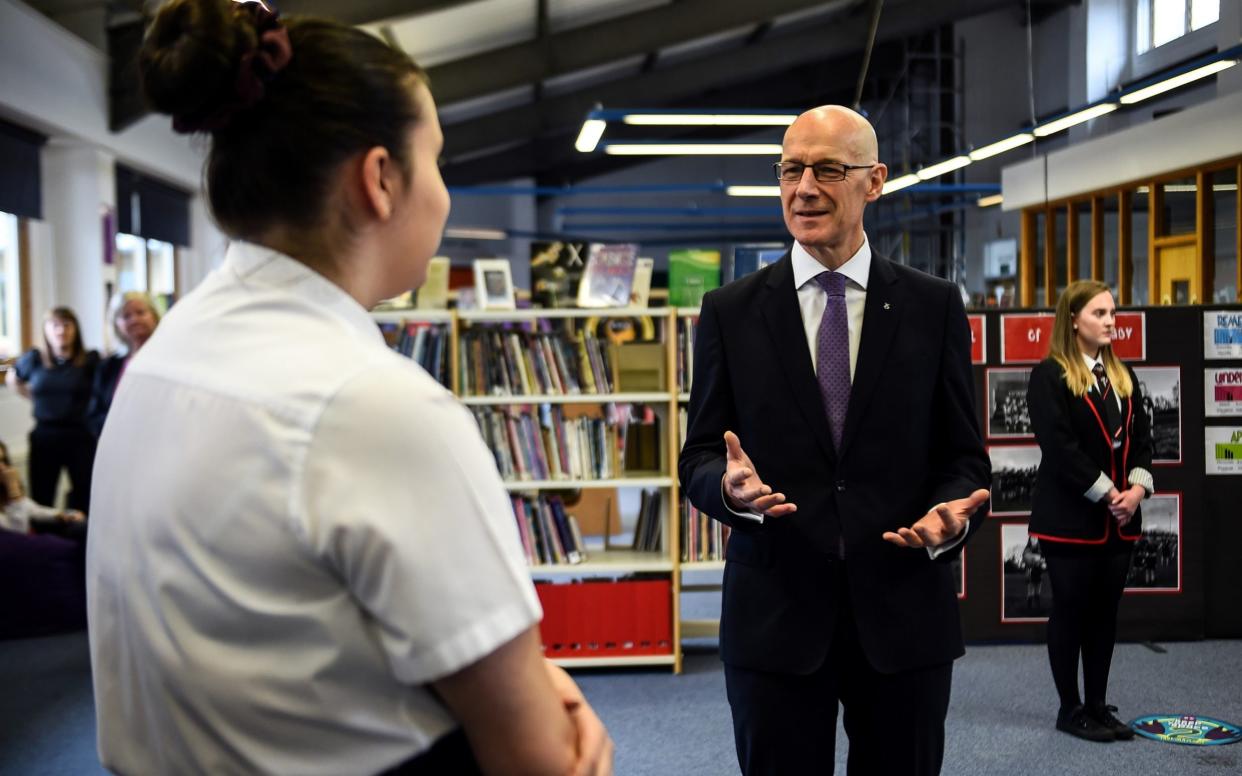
(649, 528)
(692, 272)
(748, 258)
(549, 533)
(686, 330)
(549, 442)
(555, 271)
(427, 344)
(642, 443)
(433, 293)
(507, 360)
(640, 289)
(702, 539)
(608, 276)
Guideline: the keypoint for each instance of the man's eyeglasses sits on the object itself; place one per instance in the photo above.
(825, 172)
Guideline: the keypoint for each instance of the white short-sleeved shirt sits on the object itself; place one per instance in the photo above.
(293, 530)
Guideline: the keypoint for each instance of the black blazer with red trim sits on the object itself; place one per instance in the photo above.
(911, 439)
(1075, 448)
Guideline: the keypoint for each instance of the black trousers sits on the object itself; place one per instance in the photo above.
(1087, 583)
(786, 724)
(56, 447)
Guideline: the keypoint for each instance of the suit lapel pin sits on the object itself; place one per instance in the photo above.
(887, 306)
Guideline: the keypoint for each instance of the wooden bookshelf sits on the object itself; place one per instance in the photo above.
(600, 564)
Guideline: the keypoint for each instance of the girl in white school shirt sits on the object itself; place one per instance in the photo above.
(315, 570)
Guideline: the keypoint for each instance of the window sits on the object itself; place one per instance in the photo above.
(1158, 22)
(146, 265)
(10, 310)
(131, 263)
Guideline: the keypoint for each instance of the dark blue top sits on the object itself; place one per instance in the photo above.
(60, 392)
(107, 377)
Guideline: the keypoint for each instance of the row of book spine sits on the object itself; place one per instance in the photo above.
(496, 361)
(649, 529)
(549, 533)
(426, 343)
(542, 444)
(702, 538)
(686, 329)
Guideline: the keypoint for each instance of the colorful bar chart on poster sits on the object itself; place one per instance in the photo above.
(1223, 453)
(1222, 334)
(1222, 392)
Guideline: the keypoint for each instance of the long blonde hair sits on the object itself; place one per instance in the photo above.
(1064, 346)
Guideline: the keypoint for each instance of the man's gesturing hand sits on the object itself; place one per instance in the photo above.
(941, 524)
(743, 489)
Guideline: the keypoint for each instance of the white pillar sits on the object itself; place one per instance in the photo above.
(79, 186)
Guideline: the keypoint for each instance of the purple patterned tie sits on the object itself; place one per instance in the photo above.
(832, 354)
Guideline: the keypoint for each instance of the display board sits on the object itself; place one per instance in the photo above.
(1184, 574)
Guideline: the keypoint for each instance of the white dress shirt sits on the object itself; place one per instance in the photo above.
(293, 531)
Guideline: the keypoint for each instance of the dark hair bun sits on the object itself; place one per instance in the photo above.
(189, 58)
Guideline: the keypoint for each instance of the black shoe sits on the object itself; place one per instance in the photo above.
(1104, 716)
(1077, 722)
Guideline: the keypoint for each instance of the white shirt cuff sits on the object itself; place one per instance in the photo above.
(758, 518)
(1141, 477)
(1100, 489)
(935, 552)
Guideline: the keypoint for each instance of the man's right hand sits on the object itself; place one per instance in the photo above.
(744, 490)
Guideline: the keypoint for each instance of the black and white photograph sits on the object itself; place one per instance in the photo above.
(958, 567)
(1161, 387)
(1013, 478)
(1156, 564)
(1026, 594)
(1007, 415)
(493, 284)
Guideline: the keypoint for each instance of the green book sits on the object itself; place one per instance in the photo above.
(692, 272)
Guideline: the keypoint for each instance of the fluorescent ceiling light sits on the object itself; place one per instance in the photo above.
(753, 191)
(1074, 119)
(1176, 81)
(897, 184)
(940, 168)
(588, 137)
(471, 233)
(1001, 146)
(710, 119)
(693, 149)
(994, 199)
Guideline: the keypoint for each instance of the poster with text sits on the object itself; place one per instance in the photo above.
(1161, 387)
(1222, 449)
(1026, 595)
(1222, 334)
(1222, 392)
(1156, 562)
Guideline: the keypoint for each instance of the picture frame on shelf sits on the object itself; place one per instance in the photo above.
(493, 285)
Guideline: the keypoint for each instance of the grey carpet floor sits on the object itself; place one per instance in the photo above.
(1000, 721)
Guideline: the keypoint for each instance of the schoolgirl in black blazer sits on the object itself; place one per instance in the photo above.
(1095, 443)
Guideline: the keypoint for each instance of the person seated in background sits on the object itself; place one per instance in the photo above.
(21, 514)
(133, 317)
(58, 378)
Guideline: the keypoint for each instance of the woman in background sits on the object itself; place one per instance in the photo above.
(133, 317)
(1086, 410)
(58, 378)
(314, 570)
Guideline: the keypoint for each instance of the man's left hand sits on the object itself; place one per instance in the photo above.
(941, 524)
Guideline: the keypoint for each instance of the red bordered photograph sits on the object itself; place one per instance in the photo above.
(1156, 563)
(1007, 415)
(1013, 478)
(1161, 387)
(1026, 593)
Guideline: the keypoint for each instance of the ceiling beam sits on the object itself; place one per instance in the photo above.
(365, 11)
(671, 85)
(604, 42)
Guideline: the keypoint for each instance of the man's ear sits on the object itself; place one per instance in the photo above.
(875, 181)
(377, 182)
